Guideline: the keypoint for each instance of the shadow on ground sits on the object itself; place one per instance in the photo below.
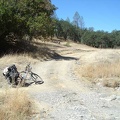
(37, 51)
(25, 47)
(59, 57)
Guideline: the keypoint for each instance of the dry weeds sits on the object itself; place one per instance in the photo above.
(101, 66)
(15, 105)
(17, 59)
(100, 70)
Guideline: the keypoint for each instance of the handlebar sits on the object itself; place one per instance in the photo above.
(28, 68)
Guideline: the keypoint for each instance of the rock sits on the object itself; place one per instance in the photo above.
(110, 98)
(113, 97)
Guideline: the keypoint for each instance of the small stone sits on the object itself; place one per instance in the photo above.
(113, 97)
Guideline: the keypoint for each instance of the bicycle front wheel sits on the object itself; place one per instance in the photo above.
(36, 78)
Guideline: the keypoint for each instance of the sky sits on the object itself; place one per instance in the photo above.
(99, 14)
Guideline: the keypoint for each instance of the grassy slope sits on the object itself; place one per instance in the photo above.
(96, 66)
(14, 103)
(101, 66)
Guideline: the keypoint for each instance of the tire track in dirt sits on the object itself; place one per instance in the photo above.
(59, 96)
(63, 96)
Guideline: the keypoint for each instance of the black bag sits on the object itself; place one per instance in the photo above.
(12, 68)
(13, 74)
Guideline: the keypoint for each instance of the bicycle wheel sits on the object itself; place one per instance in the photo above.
(36, 78)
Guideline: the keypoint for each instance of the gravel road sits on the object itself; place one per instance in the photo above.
(64, 96)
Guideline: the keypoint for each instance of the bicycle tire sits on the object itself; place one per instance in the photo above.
(36, 78)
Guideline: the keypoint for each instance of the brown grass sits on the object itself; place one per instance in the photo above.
(100, 66)
(67, 44)
(15, 105)
(111, 82)
(17, 59)
(108, 73)
(101, 70)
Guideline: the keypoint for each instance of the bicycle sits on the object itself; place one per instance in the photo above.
(28, 75)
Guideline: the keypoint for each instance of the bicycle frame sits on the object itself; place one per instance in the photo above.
(29, 75)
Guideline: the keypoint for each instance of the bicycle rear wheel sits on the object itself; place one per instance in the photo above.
(36, 78)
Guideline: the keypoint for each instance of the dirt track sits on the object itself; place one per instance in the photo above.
(64, 96)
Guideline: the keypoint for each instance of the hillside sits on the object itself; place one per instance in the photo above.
(74, 87)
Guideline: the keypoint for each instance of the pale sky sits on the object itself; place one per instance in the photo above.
(99, 14)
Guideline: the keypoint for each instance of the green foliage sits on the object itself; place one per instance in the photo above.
(19, 18)
(75, 31)
(22, 17)
(99, 39)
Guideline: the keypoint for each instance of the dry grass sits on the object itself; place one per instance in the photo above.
(34, 49)
(15, 105)
(111, 82)
(100, 70)
(106, 73)
(30, 53)
(101, 67)
(67, 44)
(17, 59)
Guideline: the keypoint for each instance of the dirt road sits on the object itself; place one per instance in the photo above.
(64, 96)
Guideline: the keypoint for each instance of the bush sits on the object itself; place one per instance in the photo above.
(24, 17)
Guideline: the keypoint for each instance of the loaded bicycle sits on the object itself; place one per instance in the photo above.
(21, 78)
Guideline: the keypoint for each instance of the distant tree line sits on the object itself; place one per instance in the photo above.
(33, 18)
(76, 31)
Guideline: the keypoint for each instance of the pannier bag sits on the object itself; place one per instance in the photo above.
(11, 74)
